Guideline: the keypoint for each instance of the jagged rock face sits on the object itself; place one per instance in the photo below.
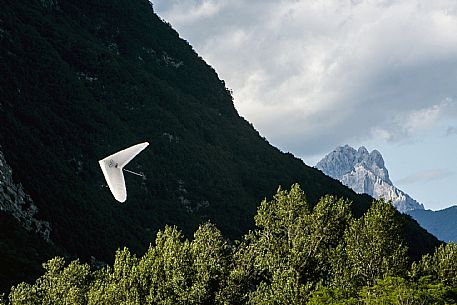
(49, 4)
(15, 201)
(365, 172)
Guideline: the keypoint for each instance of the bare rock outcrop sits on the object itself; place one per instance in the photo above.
(15, 201)
(365, 172)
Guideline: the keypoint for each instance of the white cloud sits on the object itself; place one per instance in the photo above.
(311, 75)
(425, 176)
(188, 12)
(413, 124)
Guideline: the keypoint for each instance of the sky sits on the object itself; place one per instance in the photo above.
(313, 75)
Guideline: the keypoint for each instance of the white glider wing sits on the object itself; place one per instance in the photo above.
(112, 169)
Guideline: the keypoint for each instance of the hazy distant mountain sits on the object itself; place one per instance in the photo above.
(440, 223)
(365, 172)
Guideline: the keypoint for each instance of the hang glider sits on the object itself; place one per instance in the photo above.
(113, 165)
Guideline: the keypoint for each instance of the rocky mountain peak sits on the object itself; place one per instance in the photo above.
(344, 159)
(365, 172)
(362, 151)
(375, 158)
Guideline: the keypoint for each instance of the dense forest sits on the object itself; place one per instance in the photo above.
(295, 255)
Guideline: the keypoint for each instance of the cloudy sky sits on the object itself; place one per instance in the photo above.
(312, 75)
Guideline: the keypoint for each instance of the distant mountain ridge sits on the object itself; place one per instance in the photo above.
(440, 223)
(365, 172)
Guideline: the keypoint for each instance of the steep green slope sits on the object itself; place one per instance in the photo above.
(83, 79)
(21, 252)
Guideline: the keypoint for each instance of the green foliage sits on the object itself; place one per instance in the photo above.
(291, 251)
(396, 290)
(389, 290)
(296, 255)
(445, 264)
(59, 285)
(442, 265)
(173, 271)
(373, 246)
(211, 261)
(332, 295)
(118, 285)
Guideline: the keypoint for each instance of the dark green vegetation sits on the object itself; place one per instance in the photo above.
(440, 223)
(83, 79)
(296, 255)
(21, 253)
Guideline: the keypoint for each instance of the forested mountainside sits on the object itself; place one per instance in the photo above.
(83, 79)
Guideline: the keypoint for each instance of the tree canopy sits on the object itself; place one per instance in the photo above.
(295, 255)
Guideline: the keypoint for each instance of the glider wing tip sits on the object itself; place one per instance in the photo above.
(121, 199)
